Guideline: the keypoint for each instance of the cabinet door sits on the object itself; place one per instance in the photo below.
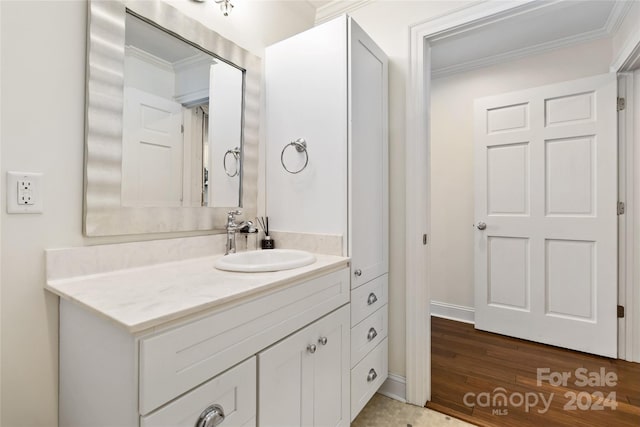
(306, 97)
(331, 370)
(303, 382)
(368, 145)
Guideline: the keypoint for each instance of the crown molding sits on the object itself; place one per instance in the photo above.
(615, 19)
(143, 55)
(194, 61)
(338, 7)
(629, 56)
(473, 16)
(617, 16)
(520, 53)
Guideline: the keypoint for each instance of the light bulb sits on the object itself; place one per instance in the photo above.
(226, 7)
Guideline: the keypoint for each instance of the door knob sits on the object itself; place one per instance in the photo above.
(481, 225)
(211, 417)
(358, 272)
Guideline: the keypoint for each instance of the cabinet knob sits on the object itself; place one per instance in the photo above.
(311, 348)
(372, 299)
(323, 340)
(481, 225)
(211, 417)
(372, 334)
(372, 375)
(358, 272)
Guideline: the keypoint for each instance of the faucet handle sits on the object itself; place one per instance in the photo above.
(232, 214)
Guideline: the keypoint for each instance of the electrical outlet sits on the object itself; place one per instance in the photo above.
(24, 192)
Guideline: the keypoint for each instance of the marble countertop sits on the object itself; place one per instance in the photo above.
(146, 297)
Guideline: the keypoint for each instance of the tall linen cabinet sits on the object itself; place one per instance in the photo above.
(328, 87)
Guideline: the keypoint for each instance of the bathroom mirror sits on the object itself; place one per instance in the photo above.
(171, 125)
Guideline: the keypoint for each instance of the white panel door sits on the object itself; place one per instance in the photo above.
(546, 216)
(368, 154)
(152, 151)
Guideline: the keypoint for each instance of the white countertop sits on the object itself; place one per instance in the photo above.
(145, 297)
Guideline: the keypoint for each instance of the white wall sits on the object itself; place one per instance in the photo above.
(149, 78)
(253, 24)
(42, 130)
(452, 152)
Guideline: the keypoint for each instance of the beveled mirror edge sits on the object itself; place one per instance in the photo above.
(103, 213)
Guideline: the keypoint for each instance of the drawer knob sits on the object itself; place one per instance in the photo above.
(358, 272)
(372, 334)
(211, 417)
(372, 375)
(372, 299)
(311, 348)
(323, 340)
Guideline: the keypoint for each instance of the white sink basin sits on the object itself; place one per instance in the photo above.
(267, 260)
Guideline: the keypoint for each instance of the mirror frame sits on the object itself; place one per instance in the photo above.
(104, 214)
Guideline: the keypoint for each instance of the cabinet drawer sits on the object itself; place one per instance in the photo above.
(368, 298)
(367, 377)
(368, 333)
(175, 361)
(234, 391)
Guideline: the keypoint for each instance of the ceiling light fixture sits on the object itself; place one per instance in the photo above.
(225, 5)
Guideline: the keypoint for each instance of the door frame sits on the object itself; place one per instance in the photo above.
(418, 177)
(628, 226)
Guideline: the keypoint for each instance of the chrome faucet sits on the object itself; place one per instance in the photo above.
(233, 228)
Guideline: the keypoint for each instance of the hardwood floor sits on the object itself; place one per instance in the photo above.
(471, 366)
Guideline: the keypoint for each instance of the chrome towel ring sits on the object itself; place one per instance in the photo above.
(236, 155)
(301, 147)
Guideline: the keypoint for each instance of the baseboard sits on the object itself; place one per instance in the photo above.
(453, 312)
(395, 388)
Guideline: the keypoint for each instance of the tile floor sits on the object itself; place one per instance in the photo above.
(382, 411)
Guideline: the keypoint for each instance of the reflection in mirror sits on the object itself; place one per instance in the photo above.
(191, 96)
(182, 123)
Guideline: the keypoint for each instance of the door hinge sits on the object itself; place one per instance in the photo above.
(622, 103)
(620, 311)
(425, 239)
(181, 128)
(620, 208)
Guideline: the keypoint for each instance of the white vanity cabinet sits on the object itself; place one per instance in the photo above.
(170, 374)
(329, 86)
(307, 373)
